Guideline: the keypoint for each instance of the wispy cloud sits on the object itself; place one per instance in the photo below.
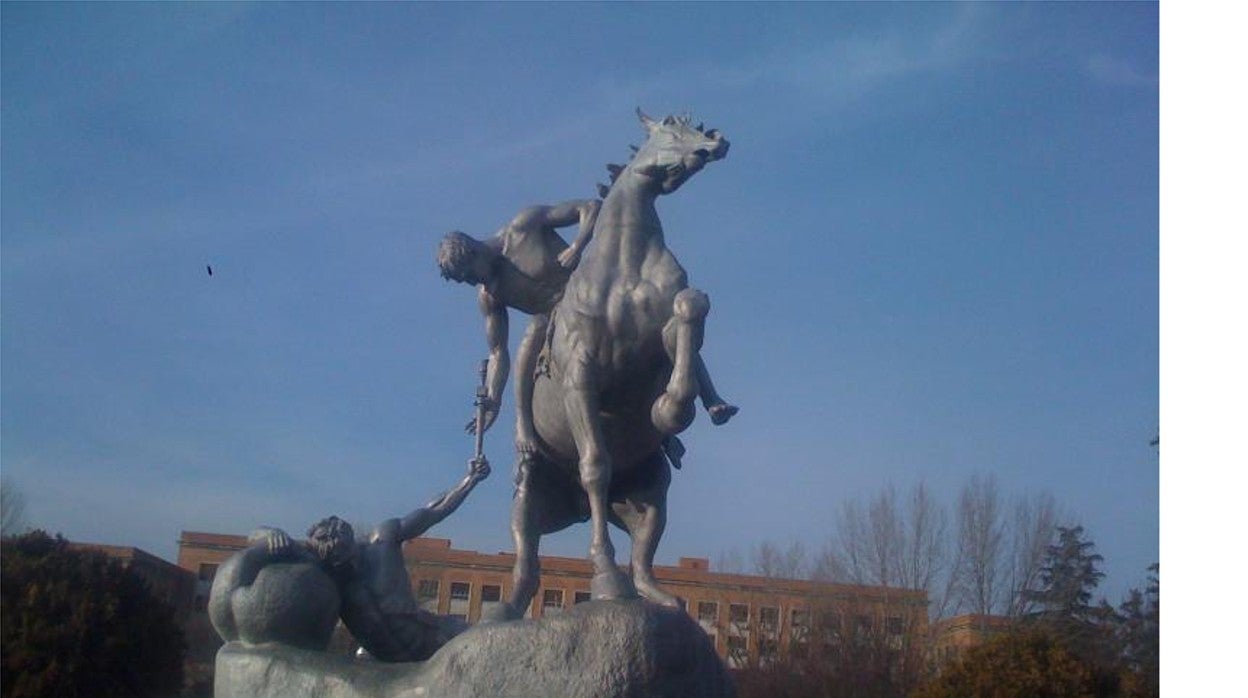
(1116, 71)
(842, 67)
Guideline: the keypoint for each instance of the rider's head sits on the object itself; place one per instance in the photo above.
(332, 540)
(464, 258)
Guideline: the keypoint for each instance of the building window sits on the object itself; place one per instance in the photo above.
(893, 628)
(829, 627)
(739, 615)
(768, 651)
(427, 594)
(862, 625)
(581, 597)
(738, 652)
(207, 571)
(427, 589)
(460, 594)
(799, 623)
(491, 598)
(460, 591)
(552, 601)
(708, 617)
(799, 632)
(769, 619)
(893, 625)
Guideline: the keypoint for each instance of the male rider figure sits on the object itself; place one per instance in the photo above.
(525, 266)
(377, 604)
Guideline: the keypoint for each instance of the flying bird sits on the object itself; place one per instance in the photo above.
(209, 270)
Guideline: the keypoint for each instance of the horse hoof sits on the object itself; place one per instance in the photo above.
(720, 414)
(610, 584)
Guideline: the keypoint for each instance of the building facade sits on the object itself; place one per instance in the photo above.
(952, 637)
(752, 620)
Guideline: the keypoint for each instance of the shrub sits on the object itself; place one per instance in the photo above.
(77, 623)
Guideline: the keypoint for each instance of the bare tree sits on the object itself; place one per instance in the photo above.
(979, 564)
(12, 509)
(1035, 522)
(927, 564)
(770, 560)
(730, 562)
(886, 543)
(863, 548)
(980, 551)
(843, 558)
(890, 543)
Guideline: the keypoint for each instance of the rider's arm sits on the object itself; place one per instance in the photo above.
(498, 364)
(583, 212)
(442, 506)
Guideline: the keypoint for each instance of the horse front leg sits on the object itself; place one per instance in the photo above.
(673, 411)
(581, 403)
(526, 535)
(642, 510)
(540, 506)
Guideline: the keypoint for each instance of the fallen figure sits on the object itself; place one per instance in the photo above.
(294, 592)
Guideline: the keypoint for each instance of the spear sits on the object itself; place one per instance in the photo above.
(482, 401)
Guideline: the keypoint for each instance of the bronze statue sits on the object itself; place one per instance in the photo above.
(621, 373)
(371, 589)
(525, 266)
(608, 374)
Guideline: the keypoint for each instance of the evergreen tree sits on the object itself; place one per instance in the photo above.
(1138, 622)
(1067, 579)
(1065, 609)
(77, 623)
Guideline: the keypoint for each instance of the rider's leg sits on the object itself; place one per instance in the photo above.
(714, 404)
(526, 370)
(643, 512)
(673, 411)
(581, 405)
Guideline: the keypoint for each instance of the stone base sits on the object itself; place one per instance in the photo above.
(602, 648)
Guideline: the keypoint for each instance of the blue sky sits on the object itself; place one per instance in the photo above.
(932, 251)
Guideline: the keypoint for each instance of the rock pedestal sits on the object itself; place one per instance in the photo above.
(597, 649)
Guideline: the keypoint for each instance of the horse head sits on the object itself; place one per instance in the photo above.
(674, 151)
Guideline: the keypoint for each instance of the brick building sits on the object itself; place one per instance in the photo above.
(751, 619)
(951, 637)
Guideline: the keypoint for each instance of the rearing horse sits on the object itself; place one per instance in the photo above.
(622, 375)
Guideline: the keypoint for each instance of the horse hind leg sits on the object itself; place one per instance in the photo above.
(673, 411)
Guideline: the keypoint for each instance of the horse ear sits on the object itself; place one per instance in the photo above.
(645, 120)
